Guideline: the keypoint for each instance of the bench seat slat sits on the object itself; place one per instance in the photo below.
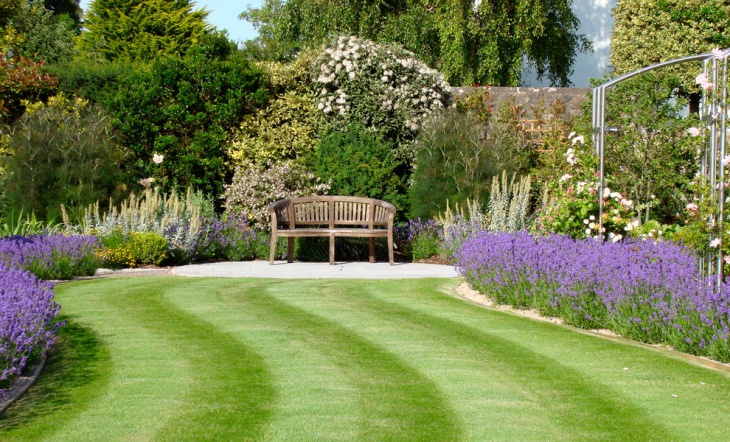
(337, 232)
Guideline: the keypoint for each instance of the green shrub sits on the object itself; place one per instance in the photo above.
(424, 245)
(91, 79)
(357, 162)
(382, 87)
(571, 201)
(62, 153)
(133, 249)
(147, 247)
(22, 79)
(177, 115)
(115, 254)
(653, 158)
(286, 129)
(41, 34)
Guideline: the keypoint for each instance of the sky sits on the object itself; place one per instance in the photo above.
(594, 15)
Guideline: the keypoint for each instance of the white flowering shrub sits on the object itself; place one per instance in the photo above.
(254, 187)
(382, 87)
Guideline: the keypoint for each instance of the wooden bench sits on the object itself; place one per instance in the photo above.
(331, 216)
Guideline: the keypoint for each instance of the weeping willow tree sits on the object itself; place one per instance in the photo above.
(470, 41)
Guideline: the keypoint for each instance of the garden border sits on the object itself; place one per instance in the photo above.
(20, 385)
(466, 291)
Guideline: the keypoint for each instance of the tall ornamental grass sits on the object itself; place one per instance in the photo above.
(647, 291)
(52, 256)
(27, 328)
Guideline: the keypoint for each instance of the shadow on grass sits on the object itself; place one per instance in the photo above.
(76, 370)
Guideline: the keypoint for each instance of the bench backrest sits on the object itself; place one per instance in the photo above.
(331, 211)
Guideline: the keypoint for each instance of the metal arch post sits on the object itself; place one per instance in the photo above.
(723, 152)
(599, 133)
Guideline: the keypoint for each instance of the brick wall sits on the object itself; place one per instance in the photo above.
(542, 97)
(573, 97)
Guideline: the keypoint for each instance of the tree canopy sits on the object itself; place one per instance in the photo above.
(647, 32)
(69, 7)
(470, 41)
(142, 29)
(34, 32)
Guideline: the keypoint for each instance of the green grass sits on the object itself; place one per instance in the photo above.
(249, 359)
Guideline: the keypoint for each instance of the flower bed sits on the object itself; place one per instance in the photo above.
(27, 314)
(52, 256)
(647, 291)
(231, 238)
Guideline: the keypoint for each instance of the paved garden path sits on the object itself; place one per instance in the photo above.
(297, 270)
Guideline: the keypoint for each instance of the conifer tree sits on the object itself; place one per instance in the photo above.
(141, 29)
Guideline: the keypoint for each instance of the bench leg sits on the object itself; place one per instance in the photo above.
(372, 249)
(332, 249)
(390, 248)
(290, 249)
(272, 249)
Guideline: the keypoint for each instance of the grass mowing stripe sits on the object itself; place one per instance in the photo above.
(77, 371)
(141, 387)
(232, 396)
(559, 392)
(398, 402)
(664, 386)
(316, 400)
(173, 376)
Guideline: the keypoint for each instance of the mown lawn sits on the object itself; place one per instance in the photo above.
(249, 359)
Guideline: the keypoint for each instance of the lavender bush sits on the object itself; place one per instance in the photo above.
(648, 291)
(420, 239)
(52, 256)
(27, 314)
(231, 238)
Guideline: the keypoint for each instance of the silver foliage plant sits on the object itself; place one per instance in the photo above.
(508, 211)
(509, 203)
(176, 217)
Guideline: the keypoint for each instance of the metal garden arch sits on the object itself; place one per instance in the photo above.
(712, 112)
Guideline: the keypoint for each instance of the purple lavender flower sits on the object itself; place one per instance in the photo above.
(52, 256)
(644, 290)
(27, 314)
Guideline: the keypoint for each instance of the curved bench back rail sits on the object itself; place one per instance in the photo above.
(332, 216)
